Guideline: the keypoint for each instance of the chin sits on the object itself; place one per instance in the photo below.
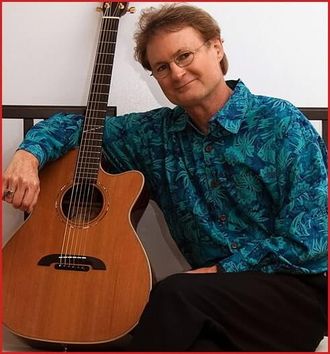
(188, 100)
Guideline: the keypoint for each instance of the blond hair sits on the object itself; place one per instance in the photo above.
(174, 17)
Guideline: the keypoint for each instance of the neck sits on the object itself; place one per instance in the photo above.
(204, 111)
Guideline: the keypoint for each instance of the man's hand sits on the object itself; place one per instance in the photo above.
(20, 181)
(212, 269)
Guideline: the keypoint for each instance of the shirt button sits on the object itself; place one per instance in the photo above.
(234, 245)
(208, 148)
(222, 218)
(214, 183)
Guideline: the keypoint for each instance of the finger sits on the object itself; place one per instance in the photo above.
(18, 197)
(30, 200)
(8, 193)
(9, 187)
(5, 187)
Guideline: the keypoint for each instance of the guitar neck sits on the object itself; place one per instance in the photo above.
(89, 157)
(102, 72)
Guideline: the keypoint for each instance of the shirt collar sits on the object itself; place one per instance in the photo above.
(229, 116)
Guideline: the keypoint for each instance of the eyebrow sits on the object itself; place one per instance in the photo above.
(173, 56)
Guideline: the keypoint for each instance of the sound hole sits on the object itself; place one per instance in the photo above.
(82, 203)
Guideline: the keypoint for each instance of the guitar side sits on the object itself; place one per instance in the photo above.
(97, 303)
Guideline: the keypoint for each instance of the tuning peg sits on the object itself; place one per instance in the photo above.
(131, 10)
(99, 9)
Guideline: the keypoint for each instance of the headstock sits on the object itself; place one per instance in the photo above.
(115, 9)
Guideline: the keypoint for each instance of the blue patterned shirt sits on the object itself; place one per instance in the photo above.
(249, 195)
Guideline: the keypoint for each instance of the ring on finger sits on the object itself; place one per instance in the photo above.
(9, 193)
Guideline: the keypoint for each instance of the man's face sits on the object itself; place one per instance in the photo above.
(193, 84)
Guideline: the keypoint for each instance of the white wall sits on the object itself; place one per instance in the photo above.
(277, 49)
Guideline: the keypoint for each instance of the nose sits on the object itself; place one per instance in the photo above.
(176, 71)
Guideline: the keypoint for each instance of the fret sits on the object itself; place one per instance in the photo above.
(105, 64)
(101, 84)
(95, 158)
(87, 169)
(96, 140)
(83, 163)
(90, 171)
(98, 102)
(90, 115)
(110, 46)
(90, 146)
(87, 175)
(95, 144)
(101, 93)
(97, 123)
(102, 75)
(105, 53)
(84, 173)
(112, 17)
(98, 110)
(91, 150)
(97, 96)
(93, 170)
(93, 163)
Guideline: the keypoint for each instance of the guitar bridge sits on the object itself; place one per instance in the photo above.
(76, 267)
(72, 262)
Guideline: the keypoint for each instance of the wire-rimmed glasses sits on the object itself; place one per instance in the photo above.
(183, 59)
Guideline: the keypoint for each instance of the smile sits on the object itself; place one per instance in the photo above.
(184, 85)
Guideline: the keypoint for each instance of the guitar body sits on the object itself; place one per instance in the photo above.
(83, 300)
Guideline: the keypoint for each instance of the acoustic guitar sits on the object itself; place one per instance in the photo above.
(76, 272)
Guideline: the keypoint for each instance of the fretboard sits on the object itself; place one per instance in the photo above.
(89, 156)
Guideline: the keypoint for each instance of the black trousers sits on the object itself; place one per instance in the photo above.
(248, 311)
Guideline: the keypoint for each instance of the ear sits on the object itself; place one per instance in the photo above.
(216, 43)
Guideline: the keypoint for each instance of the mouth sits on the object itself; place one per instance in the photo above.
(182, 87)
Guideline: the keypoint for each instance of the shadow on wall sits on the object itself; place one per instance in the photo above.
(164, 256)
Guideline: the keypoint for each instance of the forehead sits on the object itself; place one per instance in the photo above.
(163, 45)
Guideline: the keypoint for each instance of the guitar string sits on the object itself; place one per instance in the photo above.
(76, 181)
(78, 178)
(88, 191)
(90, 153)
(106, 57)
(85, 177)
(82, 196)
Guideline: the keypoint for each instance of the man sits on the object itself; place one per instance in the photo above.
(242, 182)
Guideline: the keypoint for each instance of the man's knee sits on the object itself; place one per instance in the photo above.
(176, 286)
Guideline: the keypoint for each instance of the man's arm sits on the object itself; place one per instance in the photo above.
(47, 140)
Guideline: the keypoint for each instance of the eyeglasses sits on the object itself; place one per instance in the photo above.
(183, 59)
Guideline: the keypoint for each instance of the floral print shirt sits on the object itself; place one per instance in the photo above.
(251, 195)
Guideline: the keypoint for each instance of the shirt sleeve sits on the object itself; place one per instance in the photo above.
(122, 140)
(299, 241)
(53, 137)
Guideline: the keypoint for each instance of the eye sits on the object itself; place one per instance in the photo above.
(161, 68)
(184, 57)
